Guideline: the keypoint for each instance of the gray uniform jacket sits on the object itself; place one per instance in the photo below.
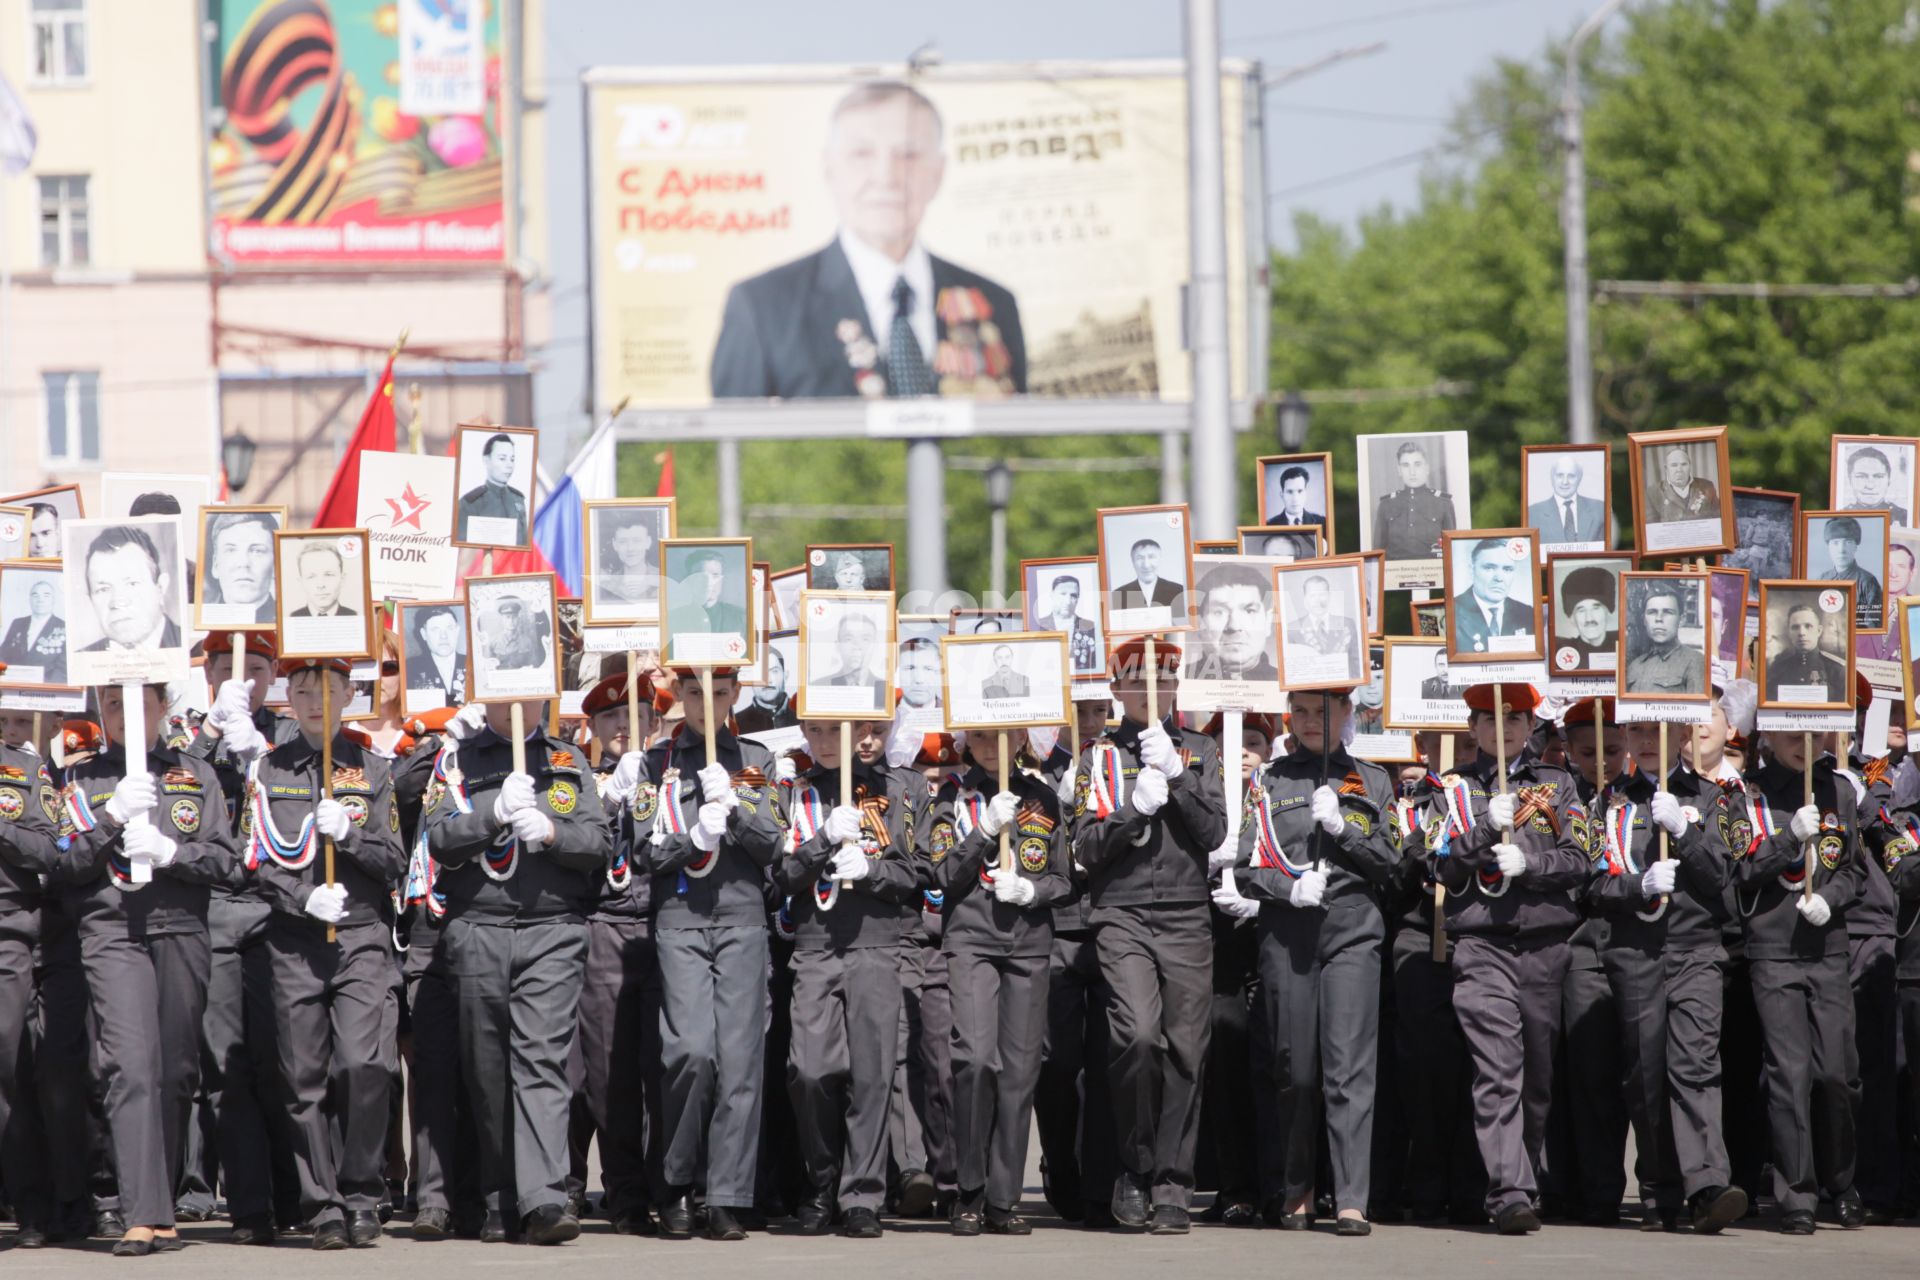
(734, 891)
(876, 911)
(976, 921)
(1133, 860)
(369, 860)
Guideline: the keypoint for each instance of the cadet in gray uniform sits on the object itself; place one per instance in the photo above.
(847, 872)
(920, 1130)
(29, 849)
(998, 937)
(333, 1023)
(520, 854)
(1145, 822)
(144, 949)
(714, 832)
(1315, 854)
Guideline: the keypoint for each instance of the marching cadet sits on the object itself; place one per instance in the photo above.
(714, 832)
(1797, 955)
(1314, 856)
(333, 1024)
(921, 1127)
(1900, 859)
(1147, 818)
(998, 939)
(144, 949)
(847, 871)
(1508, 852)
(519, 854)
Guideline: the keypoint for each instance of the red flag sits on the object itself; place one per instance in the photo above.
(664, 489)
(340, 509)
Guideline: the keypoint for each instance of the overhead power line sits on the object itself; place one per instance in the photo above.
(1909, 288)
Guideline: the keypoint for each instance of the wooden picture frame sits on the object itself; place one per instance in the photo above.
(299, 637)
(824, 560)
(1727, 620)
(1780, 510)
(470, 480)
(786, 585)
(420, 672)
(1214, 547)
(1569, 654)
(1254, 540)
(1135, 527)
(1318, 505)
(1373, 576)
(204, 540)
(1312, 665)
(18, 647)
(1899, 499)
(1823, 599)
(598, 608)
(1537, 506)
(1428, 617)
(516, 641)
(829, 611)
(1688, 535)
(760, 605)
(1399, 723)
(1519, 607)
(57, 496)
(16, 526)
(680, 614)
(1909, 607)
(1091, 660)
(1048, 655)
(1867, 621)
(1630, 623)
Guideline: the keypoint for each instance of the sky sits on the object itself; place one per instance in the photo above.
(1342, 141)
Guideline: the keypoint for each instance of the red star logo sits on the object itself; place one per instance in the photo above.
(407, 508)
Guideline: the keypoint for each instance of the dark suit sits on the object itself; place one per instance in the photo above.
(1470, 624)
(48, 650)
(423, 674)
(341, 612)
(1701, 501)
(1010, 685)
(859, 679)
(1589, 520)
(1131, 597)
(1306, 517)
(169, 639)
(778, 334)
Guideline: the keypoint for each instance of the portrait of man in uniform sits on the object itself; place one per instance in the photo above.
(1236, 636)
(1851, 549)
(512, 645)
(1418, 694)
(1804, 645)
(1436, 685)
(433, 640)
(1566, 493)
(495, 484)
(1766, 537)
(873, 313)
(865, 567)
(1413, 489)
(706, 603)
(1586, 628)
(1491, 581)
(1663, 613)
(1869, 473)
(34, 643)
(1056, 592)
(622, 542)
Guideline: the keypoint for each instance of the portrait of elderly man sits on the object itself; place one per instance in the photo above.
(874, 312)
(1148, 588)
(1588, 597)
(1003, 681)
(40, 638)
(1675, 493)
(434, 660)
(1486, 617)
(1236, 626)
(130, 591)
(1062, 605)
(240, 565)
(1565, 514)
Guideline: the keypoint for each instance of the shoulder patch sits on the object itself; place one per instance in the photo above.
(13, 803)
(1033, 855)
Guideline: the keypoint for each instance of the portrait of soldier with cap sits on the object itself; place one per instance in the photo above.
(1659, 663)
(1804, 648)
(1841, 549)
(1586, 627)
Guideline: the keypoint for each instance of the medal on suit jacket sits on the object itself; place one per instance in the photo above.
(972, 358)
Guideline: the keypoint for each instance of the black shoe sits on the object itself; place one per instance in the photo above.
(722, 1224)
(1061, 1187)
(183, 1213)
(1240, 1213)
(1655, 1219)
(1352, 1227)
(363, 1227)
(1796, 1222)
(1467, 1217)
(1516, 1220)
(1852, 1214)
(1006, 1222)
(916, 1194)
(253, 1230)
(676, 1217)
(168, 1244)
(1129, 1205)
(577, 1206)
(550, 1224)
(1714, 1209)
(636, 1222)
(29, 1237)
(430, 1224)
(814, 1217)
(494, 1229)
(109, 1225)
(1097, 1217)
(468, 1223)
(861, 1224)
(1170, 1220)
(126, 1248)
(329, 1236)
(965, 1221)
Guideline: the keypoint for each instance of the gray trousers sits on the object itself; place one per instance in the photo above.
(1806, 1024)
(1073, 1101)
(846, 1023)
(906, 1132)
(1433, 1072)
(999, 1023)
(79, 1167)
(1696, 984)
(713, 1032)
(519, 991)
(1596, 1105)
(22, 1144)
(922, 1113)
(1323, 1029)
(444, 1143)
(1159, 967)
(336, 1033)
(1507, 995)
(145, 1000)
(619, 1048)
(240, 1064)
(1637, 980)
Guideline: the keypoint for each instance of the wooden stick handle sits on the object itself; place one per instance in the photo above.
(633, 700)
(1006, 834)
(1440, 890)
(713, 730)
(326, 767)
(517, 717)
(1500, 733)
(1811, 853)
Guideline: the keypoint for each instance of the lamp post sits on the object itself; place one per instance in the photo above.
(236, 458)
(1290, 419)
(999, 498)
(1573, 226)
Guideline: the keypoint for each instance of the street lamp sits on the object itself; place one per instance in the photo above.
(236, 456)
(999, 498)
(1291, 416)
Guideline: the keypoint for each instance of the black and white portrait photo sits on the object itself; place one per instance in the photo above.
(433, 653)
(125, 599)
(1492, 605)
(1680, 490)
(495, 484)
(1419, 694)
(1903, 567)
(1295, 489)
(1726, 632)
(994, 683)
(512, 643)
(179, 495)
(1566, 495)
(1874, 473)
(1234, 636)
(846, 654)
(235, 587)
(787, 586)
(1322, 625)
(708, 586)
(1064, 595)
(984, 622)
(322, 594)
(623, 540)
(852, 567)
(1806, 645)
(1304, 542)
(1146, 562)
(47, 510)
(1664, 637)
(1414, 486)
(1583, 603)
(1850, 548)
(33, 634)
(1766, 537)
(770, 704)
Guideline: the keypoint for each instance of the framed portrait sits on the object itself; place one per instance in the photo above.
(1903, 559)
(1005, 681)
(235, 590)
(125, 599)
(917, 658)
(1567, 491)
(513, 642)
(623, 540)
(579, 670)
(1493, 601)
(1322, 624)
(1766, 537)
(1414, 486)
(787, 586)
(1679, 491)
(979, 622)
(1421, 692)
(33, 634)
(769, 704)
(1726, 628)
(1230, 662)
(1217, 547)
(707, 585)
(1583, 614)
(47, 510)
(1146, 562)
(1806, 646)
(1875, 473)
(433, 654)
(847, 645)
(850, 566)
(1429, 618)
(1663, 638)
(495, 482)
(1296, 542)
(1851, 547)
(1063, 594)
(1297, 489)
(1372, 740)
(760, 605)
(321, 592)
(15, 525)
(1909, 607)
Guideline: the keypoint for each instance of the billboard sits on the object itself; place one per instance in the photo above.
(769, 232)
(357, 132)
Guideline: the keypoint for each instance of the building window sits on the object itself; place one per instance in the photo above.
(65, 240)
(59, 41)
(73, 416)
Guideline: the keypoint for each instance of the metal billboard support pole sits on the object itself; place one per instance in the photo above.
(1573, 225)
(726, 468)
(1214, 489)
(926, 518)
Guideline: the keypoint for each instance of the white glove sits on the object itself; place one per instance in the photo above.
(132, 795)
(330, 817)
(1149, 791)
(468, 721)
(1657, 880)
(998, 813)
(328, 903)
(843, 825)
(716, 786)
(1815, 909)
(1157, 751)
(711, 827)
(851, 864)
(233, 704)
(147, 842)
(1310, 890)
(785, 770)
(516, 793)
(242, 739)
(1226, 896)
(1513, 863)
(1806, 823)
(1012, 888)
(1326, 810)
(1069, 787)
(1225, 855)
(1666, 812)
(1500, 810)
(625, 778)
(532, 826)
